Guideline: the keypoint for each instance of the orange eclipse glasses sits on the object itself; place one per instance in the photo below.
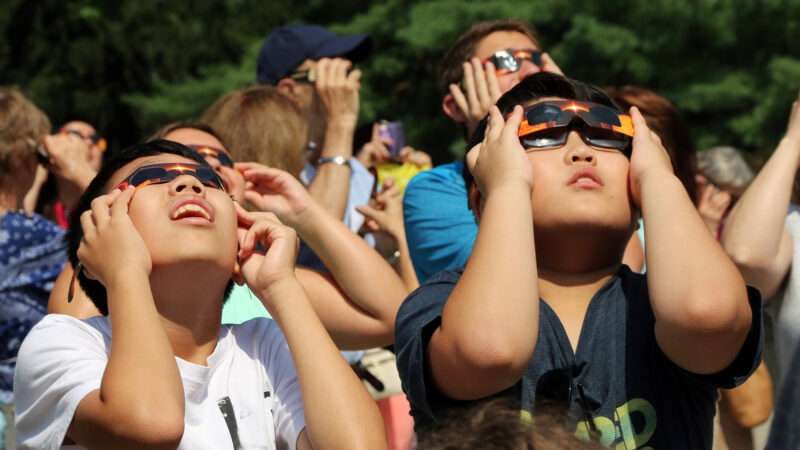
(166, 172)
(547, 125)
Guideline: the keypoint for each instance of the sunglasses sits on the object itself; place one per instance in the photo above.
(100, 142)
(548, 124)
(308, 76)
(213, 152)
(166, 172)
(510, 60)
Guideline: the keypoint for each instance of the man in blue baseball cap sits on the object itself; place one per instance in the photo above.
(312, 66)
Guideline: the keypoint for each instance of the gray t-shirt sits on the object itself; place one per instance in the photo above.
(784, 308)
(636, 396)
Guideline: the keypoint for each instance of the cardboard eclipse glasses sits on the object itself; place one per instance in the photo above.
(166, 172)
(510, 60)
(213, 152)
(548, 124)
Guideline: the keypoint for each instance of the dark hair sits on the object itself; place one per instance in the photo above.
(664, 119)
(162, 132)
(94, 289)
(451, 70)
(539, 85)
(498, 424)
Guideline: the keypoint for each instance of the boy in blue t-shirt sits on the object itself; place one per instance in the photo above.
(546, 312)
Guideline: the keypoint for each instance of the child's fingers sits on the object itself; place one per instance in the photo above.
(87, 224)
(513, 121)
(495, 126)
(640, 128)
(481, 87)
(121, 203)
(548, 65)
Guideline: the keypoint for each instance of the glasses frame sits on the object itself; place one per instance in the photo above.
(219, 154)
(501, 59)
(191, 169)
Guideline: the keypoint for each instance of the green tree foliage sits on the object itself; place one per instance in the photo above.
(731, 66)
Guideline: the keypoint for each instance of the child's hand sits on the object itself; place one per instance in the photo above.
(500, 159)
(649, 157)
(112, 247)
(273, 190)
(267, 249)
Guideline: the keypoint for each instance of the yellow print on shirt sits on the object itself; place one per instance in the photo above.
(632, 426)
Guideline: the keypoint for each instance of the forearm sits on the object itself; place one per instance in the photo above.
(141, 384)
(698, 297)
(754, 228)
(405, 267)
(341, 418)
(497, 294)
(331, 184)
(364, 276)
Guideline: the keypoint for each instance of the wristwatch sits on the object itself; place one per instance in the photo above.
(338, 160)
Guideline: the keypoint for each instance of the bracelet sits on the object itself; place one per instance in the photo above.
(338, 160)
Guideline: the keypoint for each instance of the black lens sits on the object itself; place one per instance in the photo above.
(605, 138)
(503, 60)
(543, 113)
(154, 174)
(208, 177)
(224, 159)
(550, 137)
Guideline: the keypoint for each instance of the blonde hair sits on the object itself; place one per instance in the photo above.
(259, 124)
(22, 125)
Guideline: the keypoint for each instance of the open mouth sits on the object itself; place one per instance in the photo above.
(191, 209)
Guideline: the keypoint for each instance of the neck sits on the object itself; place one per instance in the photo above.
(574, 265)
(191, 312)
(9, 201)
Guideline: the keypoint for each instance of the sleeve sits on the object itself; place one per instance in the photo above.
(288, 415)
(749, 356)
(440, 228)
(61, 361)
(418, 317)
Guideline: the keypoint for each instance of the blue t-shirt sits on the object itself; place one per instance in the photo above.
(636, 397)
(440, 227)
(32, 254)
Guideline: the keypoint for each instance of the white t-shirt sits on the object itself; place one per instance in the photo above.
(250, 372)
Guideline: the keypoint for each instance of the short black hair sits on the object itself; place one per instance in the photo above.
(94, 289)
(538, 85)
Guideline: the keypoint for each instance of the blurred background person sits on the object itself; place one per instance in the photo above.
(722, 177)
(313, 67)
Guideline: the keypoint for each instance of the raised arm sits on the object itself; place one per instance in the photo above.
(755, 235)
(342, 418)
(359, 309)
(140, 403)
(698, 297)
(339, 93)
(490, 322)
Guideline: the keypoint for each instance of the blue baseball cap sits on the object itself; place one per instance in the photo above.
(287, 47)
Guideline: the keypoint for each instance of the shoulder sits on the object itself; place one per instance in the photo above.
(260, 338)
(446, 176)
(424, 305)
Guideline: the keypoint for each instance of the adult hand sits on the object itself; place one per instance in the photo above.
(649, 157)
(276, 191)
(500, 159)
(376, 150)
(416, 157)
(338, 91)
(793, 129)
(69, 158)
(267, 249)
(478, 91)
(385, 211)
(111, 247)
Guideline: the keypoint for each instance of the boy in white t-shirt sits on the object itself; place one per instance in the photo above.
(156, 235)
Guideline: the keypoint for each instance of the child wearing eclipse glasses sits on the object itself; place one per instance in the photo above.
(157, 240)
(544, 310)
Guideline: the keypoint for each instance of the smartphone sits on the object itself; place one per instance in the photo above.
(393, 131)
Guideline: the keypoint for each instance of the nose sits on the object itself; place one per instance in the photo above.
(577, 152)
(527, 68)
(186, 184)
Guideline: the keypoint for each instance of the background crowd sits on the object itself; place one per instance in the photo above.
(413, 292)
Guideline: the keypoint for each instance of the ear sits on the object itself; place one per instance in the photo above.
(237, 276)
(451, 109)
(475, 201)
(287, 86)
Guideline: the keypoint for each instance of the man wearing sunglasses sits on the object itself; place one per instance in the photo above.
(313, 67)
(486, 61)
(87, 133)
